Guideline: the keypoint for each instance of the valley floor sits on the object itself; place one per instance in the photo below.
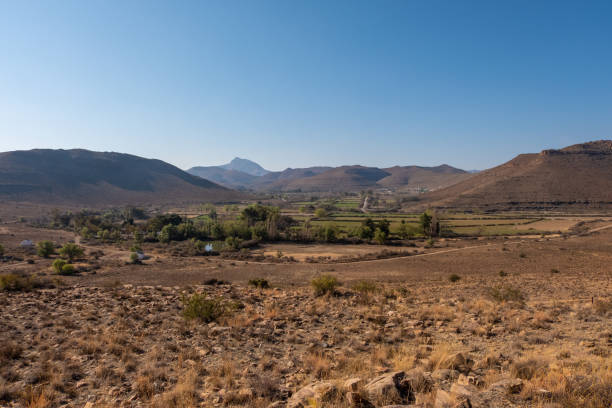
(526, 323)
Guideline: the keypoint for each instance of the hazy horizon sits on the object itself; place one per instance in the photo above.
(300, 84)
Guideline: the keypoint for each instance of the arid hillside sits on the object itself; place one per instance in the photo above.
(99, 178)
(578, 176)
(417, 177)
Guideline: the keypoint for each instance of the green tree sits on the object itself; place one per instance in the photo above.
(320, 213)
(430, 224)
(45, 249)
(233, 243)
(380, 236)
(71, 251)
(168, 233)
(365, 232)
(425, 222)
(404, 231)
(1, 250)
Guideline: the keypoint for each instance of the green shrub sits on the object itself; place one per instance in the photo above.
(454, 278)
(506, 294)
(199, 306)
(134, 258)
(71, 251)
(365, 287)
(68, 269)
(324, 284)
(233, 243)
(12, 282)
(380, 236)
(553, 270)
(45, 249)
(502, 274)
(259, 283)
(58, 265)
(1, 250)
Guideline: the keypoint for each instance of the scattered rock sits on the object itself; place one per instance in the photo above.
(390, 387)
(510, 385)
(320, 392)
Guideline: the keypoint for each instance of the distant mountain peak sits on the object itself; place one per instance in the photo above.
(245, 166)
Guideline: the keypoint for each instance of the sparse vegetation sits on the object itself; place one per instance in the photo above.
(174, 334)
(14, 283)
(68, 269)
(259, 283)
(58, 265)
(454, 278)
(71, 251)
(365, 287)
(506, 294)
(324, 284)
(200, 307)
(45, 249)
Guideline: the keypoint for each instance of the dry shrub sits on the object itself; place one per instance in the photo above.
(583, 384)
(487, 311)
(317, 364)
(438, 312)
(144, 387)
(527, 367)
(9, 350)
(12, 282)
(446, 356)
(507, 294)
(265, 386)
(541, 320)
(223, 373)
(37, 397)
(602, 307)
(403, 357)
(183, 395)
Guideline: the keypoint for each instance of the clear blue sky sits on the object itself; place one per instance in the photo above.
(299, 83)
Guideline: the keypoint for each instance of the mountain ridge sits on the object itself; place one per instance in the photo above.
(99, 178)
(579, 175)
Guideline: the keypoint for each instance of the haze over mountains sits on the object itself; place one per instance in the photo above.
(330, 179)
(99, 178)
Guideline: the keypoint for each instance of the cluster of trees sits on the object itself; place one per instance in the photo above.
(255, 222)
(372, 230)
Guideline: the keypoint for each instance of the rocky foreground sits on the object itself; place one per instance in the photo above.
(456, 346)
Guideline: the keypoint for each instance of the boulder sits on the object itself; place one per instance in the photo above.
(353, 384)
(444, 374)
(510, 385)
(390, 388)
(443, 399)
(316, 392)
(355, 400)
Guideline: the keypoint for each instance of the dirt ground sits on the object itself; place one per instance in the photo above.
(524, 323)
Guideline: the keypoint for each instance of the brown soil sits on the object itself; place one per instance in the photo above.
(114, 335)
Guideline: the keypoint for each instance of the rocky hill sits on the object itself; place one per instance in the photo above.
(578, 176)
